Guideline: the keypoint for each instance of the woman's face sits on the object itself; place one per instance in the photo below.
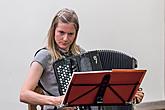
(65, 33)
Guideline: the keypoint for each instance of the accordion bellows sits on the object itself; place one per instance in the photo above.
(90, 61)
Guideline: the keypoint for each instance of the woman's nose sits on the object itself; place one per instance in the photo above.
(65, 37)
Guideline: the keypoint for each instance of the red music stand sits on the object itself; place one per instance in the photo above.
(116, 87)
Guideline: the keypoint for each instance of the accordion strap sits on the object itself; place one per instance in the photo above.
(39, 83)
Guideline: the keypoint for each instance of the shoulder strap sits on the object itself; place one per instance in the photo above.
(39, 83)
(44, 48)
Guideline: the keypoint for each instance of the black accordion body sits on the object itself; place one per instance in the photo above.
(90, 61)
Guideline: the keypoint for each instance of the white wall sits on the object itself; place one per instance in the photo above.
(135, 27)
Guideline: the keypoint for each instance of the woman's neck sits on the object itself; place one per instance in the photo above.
(62, 50)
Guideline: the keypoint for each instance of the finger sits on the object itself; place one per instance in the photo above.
(134, 101)
(139, 94)
(138, 100)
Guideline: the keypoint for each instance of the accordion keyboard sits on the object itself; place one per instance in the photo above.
(63, 74)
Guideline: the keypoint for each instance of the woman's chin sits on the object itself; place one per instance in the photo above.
(64, 48)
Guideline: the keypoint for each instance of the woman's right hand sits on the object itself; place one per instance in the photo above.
(58, 100)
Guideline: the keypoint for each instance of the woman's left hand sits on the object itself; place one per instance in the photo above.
(138, 96)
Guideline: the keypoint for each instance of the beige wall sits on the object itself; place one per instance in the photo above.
(132, 26)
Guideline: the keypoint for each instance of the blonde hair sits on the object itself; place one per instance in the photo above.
(66, 16)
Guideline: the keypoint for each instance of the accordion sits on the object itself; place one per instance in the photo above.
(90, 61)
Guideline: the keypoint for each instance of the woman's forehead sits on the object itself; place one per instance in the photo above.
(65, 26)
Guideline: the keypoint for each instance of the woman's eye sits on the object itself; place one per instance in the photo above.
(62, 32)
(70, 33)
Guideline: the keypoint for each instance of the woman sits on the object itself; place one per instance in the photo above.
(61, 42)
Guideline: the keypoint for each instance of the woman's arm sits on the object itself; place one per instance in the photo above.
(27, 93)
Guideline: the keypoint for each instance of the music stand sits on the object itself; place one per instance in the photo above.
(98, 88)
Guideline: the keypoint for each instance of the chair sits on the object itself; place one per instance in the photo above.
(34, 107)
